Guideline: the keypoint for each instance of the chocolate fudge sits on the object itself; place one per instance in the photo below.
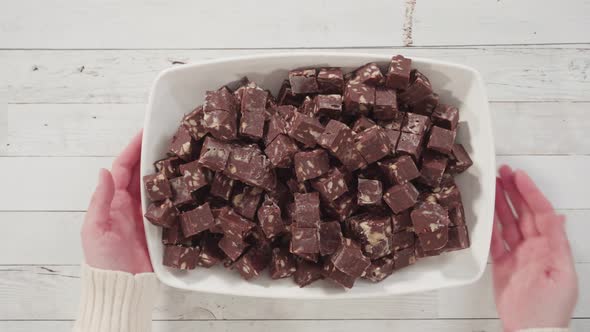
(399, 170)
(369, 192)
(327, 105)
(446, 116)
(401, 197)
(283, 264)
(385, 104)
(311, 164)
(179, 257)
(459, 160)
(303, 81)
(330, 80)
(330, 185)
(331, 238)
(157, 186)
(398, 73)
(441, 140)
(359, 98)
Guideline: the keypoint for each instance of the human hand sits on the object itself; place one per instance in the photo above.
(535, 281)
(113, 236)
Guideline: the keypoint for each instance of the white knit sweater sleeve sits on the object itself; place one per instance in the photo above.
(550, 329)
(115, 301)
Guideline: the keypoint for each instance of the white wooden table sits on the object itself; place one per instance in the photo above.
(75, 75)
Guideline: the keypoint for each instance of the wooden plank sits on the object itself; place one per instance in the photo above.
(190, 24)
(65, 183)
(511, 74)
(65, 226)
(25, 290)
(459, 325)
(103, 129)
(467, 22)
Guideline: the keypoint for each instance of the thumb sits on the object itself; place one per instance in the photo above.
(100, 204)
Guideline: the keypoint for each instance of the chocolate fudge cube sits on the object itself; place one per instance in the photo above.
(369, 74)
(458, 238)
(392, 139)
(446, 116)
(359, 98)
(303, 81)
(246, 200)
(362, 123)
(307, 209)
(441, 140)
(196, 220)
(282, 264)
(404, 258)
(342, 207)
(254, 99)
(157, 186)
(222, 186)
(330, 271)
(330, 237)
(330, 80)
(369, 192)
(395, 123)
(415, 124)
(430, 241)
(248, 165)
(399, 170)
(398, 73)
(193, 122)
(401, 222)
(433, 168)
(270, 220)
(311, 164)
(307, 107)
(428, 217)
(339, 140)
(327, 105)
(182, 144)
(287, 96)
(232, 246)
(220, 100)
(304, 241)
(401, 197)
(233, 224)
(162, 214)
(181, 191)
(281, 151)
(380, 269)
(214, 154)
(459, 160)
(210, 253)
(457, 215)
(305, 129)
(222, 125)
(350, 259)
(426, 104)
(410, 144)
(331, 185)
(252, 125)
(373, 233)
(173, 235)
(419, 87)
(277, 125)
(178, 257)
(402, 240)
(372, 144)
(252, 263)
(194, 175)
(448, 195)
(385, 104)
(168, 166)
(307, 272)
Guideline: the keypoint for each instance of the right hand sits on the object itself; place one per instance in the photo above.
(535, 281)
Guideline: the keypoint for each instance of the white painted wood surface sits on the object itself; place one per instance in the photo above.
(74, 76)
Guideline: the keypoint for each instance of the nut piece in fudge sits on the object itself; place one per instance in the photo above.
(446, 116)
(339, 140)
(330, 272)
(458, 238)
(330, 80)
(327, 105)
(222, 186)
(311, 164)
(282, 264)
(252, 125)
(385, 104)
(181, 191)
(253, 262)
(281, 150)
(419, 88)
(307, 272)
(330, 237)
(194, 175)
(373, 233)
(459, 160)
(398, 73)
(359, 98)
(433, 168)
(415, 124)
(303, 81)
(246, 200)
(436, 240)
(399, 170)
(410, 144)
(254, 99)
(178, 257)
(372, 144)
(404, 257)
(182, 144)
(307, 210)
(369, 74)
(193, 122)
(196, 220)
(305, 129)
(304, 241)
(441, 140)
(350, 259)
(428, 217)
(369, 192)
(168, 166)
(401, 197)
(162, 214)
(157, 186)
(214, 154)
(331, 185)
(362, 123)
(380, 269)
(270, 220)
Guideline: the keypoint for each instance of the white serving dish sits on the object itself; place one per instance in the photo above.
(178, 90)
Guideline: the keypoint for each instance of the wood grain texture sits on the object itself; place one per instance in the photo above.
(30, 287)
(103, 129)
(104, 76)
(72, 180)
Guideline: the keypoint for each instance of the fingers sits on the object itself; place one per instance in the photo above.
(534, 198)
(134, 187)
(552, 226)
(100, 203)
(505, 217)
(497, 248)
(526, 221)
(124, 164)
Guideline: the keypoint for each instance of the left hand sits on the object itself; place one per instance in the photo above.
(113, 237)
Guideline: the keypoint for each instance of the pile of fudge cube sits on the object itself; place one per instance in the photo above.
(340, 176)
